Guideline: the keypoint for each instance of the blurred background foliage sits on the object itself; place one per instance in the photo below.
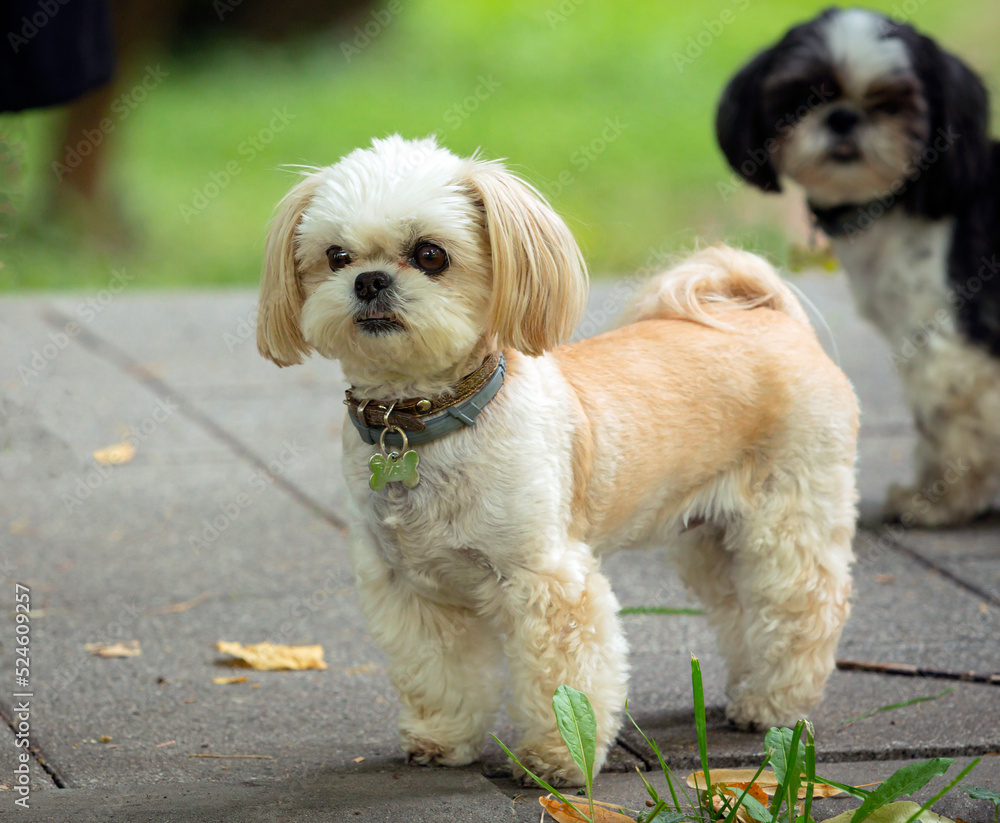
(606, 106)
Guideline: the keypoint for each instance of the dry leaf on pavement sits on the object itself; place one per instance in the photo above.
(271, 657)
(767, 781)
(228, 681)
(130, 648)
(562, 813)
(116, 454)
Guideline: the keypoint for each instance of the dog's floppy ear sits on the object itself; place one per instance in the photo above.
(539, 275)
(740, 124)
(959, 115)
(279, 337)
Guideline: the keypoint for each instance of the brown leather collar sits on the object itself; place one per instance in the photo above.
(407, 414)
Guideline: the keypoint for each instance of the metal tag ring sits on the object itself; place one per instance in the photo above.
(381, 441)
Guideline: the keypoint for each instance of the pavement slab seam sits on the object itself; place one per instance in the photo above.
(136, 371)
(917, 557)
(36, 752)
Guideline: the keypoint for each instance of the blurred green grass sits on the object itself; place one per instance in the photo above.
(551, 77)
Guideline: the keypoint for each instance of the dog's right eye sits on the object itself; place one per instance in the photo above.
(338, 258)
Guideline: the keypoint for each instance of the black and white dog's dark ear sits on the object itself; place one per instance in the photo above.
(957, 163)
(741, 127)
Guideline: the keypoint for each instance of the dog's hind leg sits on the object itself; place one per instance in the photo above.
(443, 660)
(561, 626)
(791, 572)
(705, 567)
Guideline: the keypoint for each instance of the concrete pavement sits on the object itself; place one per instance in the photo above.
(232, 509)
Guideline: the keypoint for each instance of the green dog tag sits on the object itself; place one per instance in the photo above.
(393, 468)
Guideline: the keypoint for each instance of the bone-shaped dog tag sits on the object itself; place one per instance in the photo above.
(392, 468)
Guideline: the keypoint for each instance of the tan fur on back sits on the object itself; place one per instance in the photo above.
(699, 400)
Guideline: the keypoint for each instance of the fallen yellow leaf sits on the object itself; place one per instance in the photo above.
(767, 781)
(271, 657)
(129, 648)
(228, 681)
(113, 455)
(563, 813)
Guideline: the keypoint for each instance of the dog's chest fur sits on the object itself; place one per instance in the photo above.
(482, 502)
(898, 271)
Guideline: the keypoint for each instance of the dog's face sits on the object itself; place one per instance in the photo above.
(847, 105)
(402, 261)
(867, 121)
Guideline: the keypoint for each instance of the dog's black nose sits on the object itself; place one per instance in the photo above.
(368, 284)
(841, 121)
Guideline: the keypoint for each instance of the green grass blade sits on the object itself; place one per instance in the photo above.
(892, 706)
(701, 727)
(578, 729)
(539, 780)
(905, 781)
(853, 791)
(659, 757)
(653, 794)
(810, 772)
(944, 791)
(793, 772)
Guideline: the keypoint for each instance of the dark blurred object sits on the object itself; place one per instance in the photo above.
(56, 50)
(263, 20)
(144, 31)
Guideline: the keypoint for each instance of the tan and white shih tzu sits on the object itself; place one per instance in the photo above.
(489, 466)
(888, 134)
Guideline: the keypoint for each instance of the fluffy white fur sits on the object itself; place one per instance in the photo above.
(897, 274)
(712, 421)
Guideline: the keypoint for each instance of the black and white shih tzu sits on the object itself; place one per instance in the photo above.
(888, 134)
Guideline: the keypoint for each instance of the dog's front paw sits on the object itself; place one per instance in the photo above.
(424, 752)
(551, 763)
(910, 507)
(754, 714)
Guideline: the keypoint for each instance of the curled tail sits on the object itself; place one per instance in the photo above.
(713, 281)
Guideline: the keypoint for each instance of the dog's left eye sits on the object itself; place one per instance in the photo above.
(338, 258)
(430, 258)
(889, 107)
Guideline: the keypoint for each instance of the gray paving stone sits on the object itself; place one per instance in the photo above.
(278, 569)
(365, 796)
